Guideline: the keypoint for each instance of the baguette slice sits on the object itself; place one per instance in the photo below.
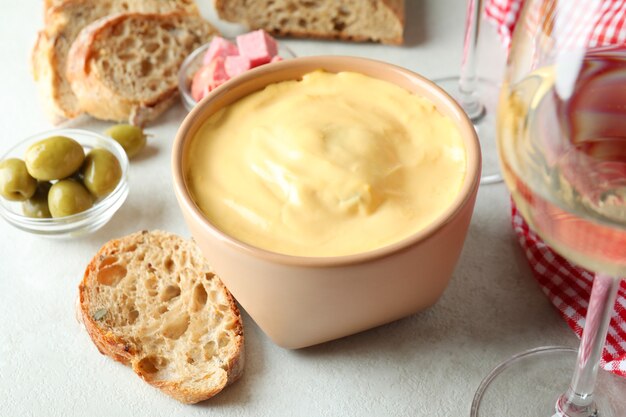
(356, 20)
(64, 19)
(125, 66)
(150, 301)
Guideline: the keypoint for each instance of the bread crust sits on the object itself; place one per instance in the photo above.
(106, 342)
(43, 61)
(326, 36)
(94, 95)
(235, 11)
(127, 352)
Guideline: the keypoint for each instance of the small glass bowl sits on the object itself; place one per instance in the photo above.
(80, 223)
(193, 62)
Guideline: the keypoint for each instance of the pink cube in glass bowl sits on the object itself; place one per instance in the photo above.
(194, 62)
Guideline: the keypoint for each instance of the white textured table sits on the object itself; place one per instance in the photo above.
(425, 365)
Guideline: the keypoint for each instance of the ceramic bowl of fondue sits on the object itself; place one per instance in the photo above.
(330, 194)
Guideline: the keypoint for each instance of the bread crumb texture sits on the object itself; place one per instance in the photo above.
(150, 301)
(139, 57)
(357, 20)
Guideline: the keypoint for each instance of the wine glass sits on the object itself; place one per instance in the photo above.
(477, 96)
(561, 131)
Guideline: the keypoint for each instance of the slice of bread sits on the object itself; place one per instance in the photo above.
(356, 20)
(64, 19)
(149, 300)
(124, 67)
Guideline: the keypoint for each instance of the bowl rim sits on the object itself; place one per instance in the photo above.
(260, 77)
(66, 224)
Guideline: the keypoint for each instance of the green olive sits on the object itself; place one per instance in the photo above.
(132, 138)
(37, 205)
(101, 172)
(54, 158)
(68, 197)
(16, 184)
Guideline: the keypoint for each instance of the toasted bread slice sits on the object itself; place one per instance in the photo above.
(356, 20)
(150, 301)
(125, 67)
(64, 19)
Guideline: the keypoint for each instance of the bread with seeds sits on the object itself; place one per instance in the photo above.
(150, 301)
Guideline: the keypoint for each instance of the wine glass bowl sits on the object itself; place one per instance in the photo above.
(561, 134)
(564, 158)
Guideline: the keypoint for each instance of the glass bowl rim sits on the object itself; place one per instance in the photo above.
(60, 225)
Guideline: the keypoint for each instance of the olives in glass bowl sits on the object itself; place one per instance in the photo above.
(76, 189)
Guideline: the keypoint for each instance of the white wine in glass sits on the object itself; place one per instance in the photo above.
(564, 159)
(562, 143)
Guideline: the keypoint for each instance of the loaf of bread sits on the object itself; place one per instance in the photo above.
(356, 20)
(125, 67)
(150, 301)
(64, 19)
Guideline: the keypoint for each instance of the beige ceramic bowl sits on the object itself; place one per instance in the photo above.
(302, 301)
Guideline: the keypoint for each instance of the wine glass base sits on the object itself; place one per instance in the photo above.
(530, 384)
(484, 123)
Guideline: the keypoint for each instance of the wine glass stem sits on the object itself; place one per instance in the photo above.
(578, 400)
(469, 99)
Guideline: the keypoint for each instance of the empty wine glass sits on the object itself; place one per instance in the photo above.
(561, 132)
(476, 95)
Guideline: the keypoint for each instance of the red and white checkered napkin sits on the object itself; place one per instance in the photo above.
(568, 287)
(609, 27)
(504, 14)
